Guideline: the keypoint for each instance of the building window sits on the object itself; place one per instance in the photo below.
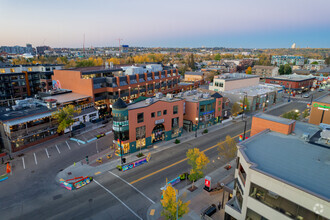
(159, 113)
(165, 112)
(2, 71)
(280, 204)
(219, 102)
(12, 70)
(202, 108)
(153, 114)
(175, 109)
(29, 69)
(140, 136)
(220, 84)
(140, 117)
(251, 215)
(219, 109)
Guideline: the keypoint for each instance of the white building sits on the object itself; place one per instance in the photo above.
(231, 81)
(282, 175)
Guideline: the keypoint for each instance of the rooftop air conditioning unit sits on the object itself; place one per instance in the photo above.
(169, 96)
(149, 101)
(206, 95)
(159, 95)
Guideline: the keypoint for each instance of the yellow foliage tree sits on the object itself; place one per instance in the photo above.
(248, 70)
(228, 148)
(172, 205)
(198, 161)
(114, 60)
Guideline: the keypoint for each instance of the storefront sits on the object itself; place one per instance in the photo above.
(158, 133)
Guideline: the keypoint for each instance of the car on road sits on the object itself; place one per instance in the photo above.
(306, 96)
(321, 90)
(209, 211)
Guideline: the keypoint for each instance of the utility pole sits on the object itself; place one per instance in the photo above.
(121, 149)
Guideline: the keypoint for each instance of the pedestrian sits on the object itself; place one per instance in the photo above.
(219, 206)
(2, 161)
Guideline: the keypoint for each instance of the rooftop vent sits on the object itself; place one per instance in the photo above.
(149, 101)
(159, 95)
(169, 96)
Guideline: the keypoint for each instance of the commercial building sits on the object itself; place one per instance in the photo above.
(293, 82)
(231, 81)
(320, 111)
(265, 71)
(282, 172)
(143, 123)
(257, 97)
(105, 85)
(193, 76)
(17, 82)
(324, 72)
(287, 59)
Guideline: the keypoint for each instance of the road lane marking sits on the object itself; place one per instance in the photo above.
(68, 145)
(58, 149)
(117, 199)
(35, 158)
(180, 161)
(23, 162)
(97, 173)
(47, 152)
(132, 187)
(152, 212)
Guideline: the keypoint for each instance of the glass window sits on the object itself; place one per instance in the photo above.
(202, 108)
(153, 114)
(175, 109)
(165, 112)
(140, 132)
(159, 113)
(140, 117)
(175, 122)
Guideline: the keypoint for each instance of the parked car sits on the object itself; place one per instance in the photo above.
(209, 211)
(306, 96)
(321, 90)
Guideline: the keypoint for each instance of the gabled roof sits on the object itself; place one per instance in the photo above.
(216, 95)
(119, 104)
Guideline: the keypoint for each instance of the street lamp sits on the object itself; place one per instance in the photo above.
(196, 126)
(297, 110)
(121, 149)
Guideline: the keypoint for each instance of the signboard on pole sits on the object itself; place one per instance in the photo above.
(207, 185)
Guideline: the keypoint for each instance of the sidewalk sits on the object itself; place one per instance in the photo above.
(199, 199)
(93, 168)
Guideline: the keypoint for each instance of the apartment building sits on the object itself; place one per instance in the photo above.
(287, 59)
(265, 71)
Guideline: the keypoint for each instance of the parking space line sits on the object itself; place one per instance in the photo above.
(132, 186)
(68, 145)
(78, 142)
(117, 199)
(58, 149)
(35, 158)
(47, 152)
(23, 163)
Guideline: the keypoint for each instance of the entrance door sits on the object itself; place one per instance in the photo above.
(158, 133)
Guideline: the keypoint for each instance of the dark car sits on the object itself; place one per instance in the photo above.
(209, 211)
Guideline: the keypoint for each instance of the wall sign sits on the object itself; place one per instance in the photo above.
(160, 121)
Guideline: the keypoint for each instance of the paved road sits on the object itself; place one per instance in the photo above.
(34, 194)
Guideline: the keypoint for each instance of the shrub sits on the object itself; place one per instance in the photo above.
(205, 131)
(119, 167)
(140, 155)
(177, 141)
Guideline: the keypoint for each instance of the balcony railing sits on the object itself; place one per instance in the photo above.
(242, 177)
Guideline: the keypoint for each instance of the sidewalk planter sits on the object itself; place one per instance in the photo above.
(140, 155)
(119, 167)
(205, 131)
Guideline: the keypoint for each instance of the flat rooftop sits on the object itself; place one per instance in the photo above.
(254, 90)
(13, 115)
(291, 159)
(292, 77)
(143, 103)
(235, 76)
(325, 99)
(194, 73)
(274, 118)
(67, 97)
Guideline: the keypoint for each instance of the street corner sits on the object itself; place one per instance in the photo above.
(154, 211)
(74, 170)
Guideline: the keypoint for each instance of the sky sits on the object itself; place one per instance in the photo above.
(166, 23)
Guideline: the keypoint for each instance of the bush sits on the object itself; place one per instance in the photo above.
(177, 141)
(119, 167)
(140, 155)
(205, 131)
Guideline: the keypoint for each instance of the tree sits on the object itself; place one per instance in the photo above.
(227, 148)
(85, 63)
(217, 57)
(235, 109)
(291, 115)
(315, 62)
(305, 113)
(198, 161)
(64, 118)
(281, 70)
(191, 62)
(246, 104)
(327, 60)
(248, 70)
(171, 205)
(287, 69)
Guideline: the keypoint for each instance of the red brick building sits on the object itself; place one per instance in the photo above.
(298, 83)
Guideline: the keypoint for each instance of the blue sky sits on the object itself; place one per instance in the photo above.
(172, 23)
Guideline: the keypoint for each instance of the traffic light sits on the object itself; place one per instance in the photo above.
(87, 159)
(123, 160)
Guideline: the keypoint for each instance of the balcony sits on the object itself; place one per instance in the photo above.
(242, 177)
(233, 203)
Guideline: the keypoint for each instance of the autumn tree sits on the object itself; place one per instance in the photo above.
(235, 109)
(248, 70)
(291, 115)
(173, 205)
(227, 149)
(64, 117)
(198, 161)
(217, 57)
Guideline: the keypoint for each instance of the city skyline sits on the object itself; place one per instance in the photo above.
(238, 24)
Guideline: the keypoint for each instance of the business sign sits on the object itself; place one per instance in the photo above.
(207, 184)
(160, 121)
(322, 107)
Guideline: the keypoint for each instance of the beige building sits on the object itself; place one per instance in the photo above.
(320, 112)
(281, 175)
(193, 76)
(265, 71)
(231, 81)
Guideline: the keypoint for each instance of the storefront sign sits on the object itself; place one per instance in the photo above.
(321, 106)
(207, 183)
(160, 121)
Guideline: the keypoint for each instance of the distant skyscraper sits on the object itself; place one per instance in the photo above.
(293, 46)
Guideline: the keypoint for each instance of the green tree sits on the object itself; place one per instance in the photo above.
(291, 115)
(85, 63)
(281, 70)
(305, 113)
(172, 205)
(191, 62)
(64, 117)
(217, 57)
(227, 148)
(198, 161)
(315, 62)
(235, 109)
(327, 60)
(287, 69)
